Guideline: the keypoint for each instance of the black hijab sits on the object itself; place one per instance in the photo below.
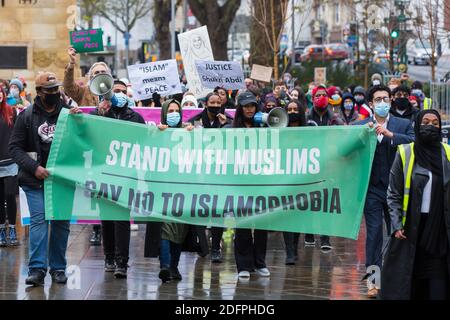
(428, 155)
(432, 229)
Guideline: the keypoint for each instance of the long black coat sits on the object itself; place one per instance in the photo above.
(397, 271)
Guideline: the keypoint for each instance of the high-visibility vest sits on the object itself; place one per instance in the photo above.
(407, 155)
(427, 103)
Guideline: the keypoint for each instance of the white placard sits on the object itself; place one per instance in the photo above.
(225, 74)
(160, 76)
(261, 73)
(195, 45)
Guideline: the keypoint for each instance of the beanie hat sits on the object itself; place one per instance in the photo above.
(18, 83)
(189, 98)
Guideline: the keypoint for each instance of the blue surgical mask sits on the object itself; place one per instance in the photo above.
(335, 97)
(359, 99)
(173, 119)
(348, 106)
(122, 99)
(382, 109)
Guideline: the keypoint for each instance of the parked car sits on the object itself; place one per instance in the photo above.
(313, 52)
(419, 52)
(337, 51)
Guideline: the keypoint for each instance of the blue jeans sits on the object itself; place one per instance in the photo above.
(39, 248)
(169, 255)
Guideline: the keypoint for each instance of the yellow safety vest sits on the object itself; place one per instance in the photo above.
(427, 103)
(407, 155)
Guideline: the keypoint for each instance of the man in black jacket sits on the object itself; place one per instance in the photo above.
(401, 107)
(116, 234)
(29, 146)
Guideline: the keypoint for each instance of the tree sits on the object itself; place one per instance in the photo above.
(268, 21)
(123, 14)
(161, 20)
(218, 18)
(426, 24)
(88, 11)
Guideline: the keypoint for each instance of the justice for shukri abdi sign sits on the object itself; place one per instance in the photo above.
(225, 74)
(160, 77)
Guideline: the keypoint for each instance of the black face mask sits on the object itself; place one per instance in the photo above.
(401, 103)
(214, 110)
(294, 117)
(430, 134)
(52, 99)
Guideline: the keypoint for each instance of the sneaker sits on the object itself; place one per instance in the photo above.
(120, 272)
(263, 272)
(325, 246)
(96, 238)
(164, 275)
(309, 240)
(175, 274)
(134, 227)
(59, 276)
(216, 256)
(35, 278)
(13, 236)
(110, 265)
(244, 274)
(3, 242)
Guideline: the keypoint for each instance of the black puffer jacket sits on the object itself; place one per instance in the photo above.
(124, 113)
(5, 134)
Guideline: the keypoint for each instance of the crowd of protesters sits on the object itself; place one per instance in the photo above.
(393, 110)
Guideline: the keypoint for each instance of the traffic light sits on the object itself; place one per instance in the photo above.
(394, 34)
(108, 41)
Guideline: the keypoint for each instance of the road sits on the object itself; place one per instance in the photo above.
(423, 72)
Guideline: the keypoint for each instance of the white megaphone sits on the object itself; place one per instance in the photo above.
(276, 118)
(101, 85)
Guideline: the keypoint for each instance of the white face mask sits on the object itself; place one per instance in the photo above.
(14, 92)
(376, 82)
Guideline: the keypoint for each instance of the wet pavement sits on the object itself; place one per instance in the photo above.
(316, 276)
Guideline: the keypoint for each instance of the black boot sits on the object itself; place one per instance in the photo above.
(35, 277)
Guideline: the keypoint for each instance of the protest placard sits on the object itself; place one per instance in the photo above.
(195, 45)
(87, 40)
(320, 75)
(160, 77)
(261, 73)
(225, 74)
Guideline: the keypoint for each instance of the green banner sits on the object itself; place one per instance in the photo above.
(309, 180)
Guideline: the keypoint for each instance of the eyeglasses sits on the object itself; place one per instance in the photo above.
(379, 99)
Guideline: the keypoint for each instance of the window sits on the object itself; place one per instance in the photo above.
(337, 16)
(13, 57)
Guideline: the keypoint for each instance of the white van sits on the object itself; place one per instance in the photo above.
(419, 51)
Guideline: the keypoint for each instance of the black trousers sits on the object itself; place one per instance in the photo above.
(9, 198)
(216, 235)
(430, 289)
(250, 250)
(291, 243)
(116, 240)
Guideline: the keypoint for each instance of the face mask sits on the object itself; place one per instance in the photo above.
(348, 106)
(335, 97)
(429, 133)
(14, 92)
(173, 119)
(294, 117)
(418, 94)
(376, 82)
(382, 109)
(131, 102)
(52, 99)
(401, 103)
(214, 110)
(122, 99)
(283, 94)
(321, 102)
(359, 99)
